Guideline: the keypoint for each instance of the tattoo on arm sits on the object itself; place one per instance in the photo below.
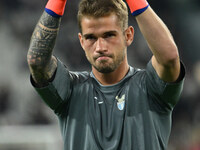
(41, 62)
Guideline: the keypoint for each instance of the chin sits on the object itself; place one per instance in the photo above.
(105, 69)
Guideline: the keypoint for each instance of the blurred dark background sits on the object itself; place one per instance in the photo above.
(20, 106)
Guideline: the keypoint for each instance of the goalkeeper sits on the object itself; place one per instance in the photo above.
(115, 106)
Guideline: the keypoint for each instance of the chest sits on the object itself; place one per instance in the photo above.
(109, 120)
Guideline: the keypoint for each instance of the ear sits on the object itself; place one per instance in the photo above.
(129, 35)
(81, 40)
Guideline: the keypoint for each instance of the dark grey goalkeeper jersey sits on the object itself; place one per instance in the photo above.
(134, 114)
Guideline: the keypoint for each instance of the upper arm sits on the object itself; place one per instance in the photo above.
(165, 58)
(167, 72)
(165, 94)
(57, 92)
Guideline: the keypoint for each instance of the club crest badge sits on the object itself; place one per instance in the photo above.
(120, 102)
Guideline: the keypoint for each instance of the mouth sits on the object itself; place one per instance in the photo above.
(102, 57)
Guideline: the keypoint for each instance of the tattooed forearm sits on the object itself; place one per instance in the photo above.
(41, 62)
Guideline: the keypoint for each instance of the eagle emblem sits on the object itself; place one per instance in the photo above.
(120, 102)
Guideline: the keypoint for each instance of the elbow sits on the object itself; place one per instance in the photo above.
(35, 62)
(31, 60)
(172, 56)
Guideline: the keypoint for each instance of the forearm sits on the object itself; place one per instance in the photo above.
(40, 60)
(158, 37)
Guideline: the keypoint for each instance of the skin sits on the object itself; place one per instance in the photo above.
(105, 45)
(41, 63)
(165, 57)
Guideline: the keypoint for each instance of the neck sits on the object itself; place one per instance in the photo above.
(112, 77)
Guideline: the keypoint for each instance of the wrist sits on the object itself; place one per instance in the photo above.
(55, 8)
(137, 6)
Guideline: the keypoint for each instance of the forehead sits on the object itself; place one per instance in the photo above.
(91, 24)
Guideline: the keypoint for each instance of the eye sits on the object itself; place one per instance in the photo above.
(108, 35)
(90, 37)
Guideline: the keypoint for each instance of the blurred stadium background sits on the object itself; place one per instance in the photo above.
(26, 123)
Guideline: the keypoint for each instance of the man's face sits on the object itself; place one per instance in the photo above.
(104, 42)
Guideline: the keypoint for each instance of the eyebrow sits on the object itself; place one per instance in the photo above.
(105, 33)
(110, 32)
(88, 35)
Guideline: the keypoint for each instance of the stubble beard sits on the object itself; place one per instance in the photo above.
(104, 66)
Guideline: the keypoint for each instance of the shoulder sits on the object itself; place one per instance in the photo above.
(137, 74)
(74, 76)
(79, 77)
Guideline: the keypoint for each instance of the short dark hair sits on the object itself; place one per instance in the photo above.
(101, 8)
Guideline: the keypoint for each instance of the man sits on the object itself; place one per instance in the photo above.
(115, 107)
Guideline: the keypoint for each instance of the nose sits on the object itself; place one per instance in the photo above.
(101, 45)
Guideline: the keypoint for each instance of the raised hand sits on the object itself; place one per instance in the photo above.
(137, 6)
(55, 7)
